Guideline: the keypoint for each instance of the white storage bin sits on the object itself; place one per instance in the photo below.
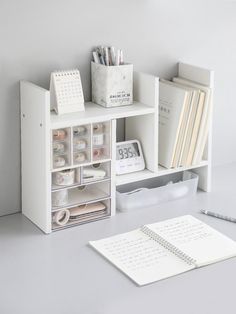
(80, 195)
(59, 198)
(112, 85)
(178, 185)
(89, 212)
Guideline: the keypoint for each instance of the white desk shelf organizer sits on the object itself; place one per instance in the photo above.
(87, 140)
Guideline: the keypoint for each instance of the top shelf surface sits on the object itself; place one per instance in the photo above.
(95, 113)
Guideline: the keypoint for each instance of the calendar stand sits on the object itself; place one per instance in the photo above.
(66, 93)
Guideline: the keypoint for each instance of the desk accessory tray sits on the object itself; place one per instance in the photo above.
(179, 185)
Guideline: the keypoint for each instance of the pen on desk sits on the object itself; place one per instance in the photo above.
(209, 213)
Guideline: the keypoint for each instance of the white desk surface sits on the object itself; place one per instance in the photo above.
(60, 273)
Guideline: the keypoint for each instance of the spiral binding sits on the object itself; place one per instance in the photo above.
(66, 72)
(170, 247)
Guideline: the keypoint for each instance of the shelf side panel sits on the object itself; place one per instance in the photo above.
(35, 155)
(146, 89)
(113, 167)
(196, 74)
(204, 174)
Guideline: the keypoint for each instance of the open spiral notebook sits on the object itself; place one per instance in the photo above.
(165, 249)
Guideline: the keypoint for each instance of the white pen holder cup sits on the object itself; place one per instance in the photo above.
(112, 86)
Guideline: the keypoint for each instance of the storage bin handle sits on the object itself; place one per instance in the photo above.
(136, 191)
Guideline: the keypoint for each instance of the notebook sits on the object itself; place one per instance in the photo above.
(164, 249)
(173, 104)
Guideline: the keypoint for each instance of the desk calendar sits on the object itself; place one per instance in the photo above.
(66, 91)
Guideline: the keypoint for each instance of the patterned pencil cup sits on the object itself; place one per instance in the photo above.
(112, 86)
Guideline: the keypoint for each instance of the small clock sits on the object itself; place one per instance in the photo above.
(129, 157)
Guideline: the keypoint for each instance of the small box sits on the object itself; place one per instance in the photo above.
(112, 86)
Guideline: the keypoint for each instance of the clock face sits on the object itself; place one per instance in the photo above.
(126, 151)
(129, 157)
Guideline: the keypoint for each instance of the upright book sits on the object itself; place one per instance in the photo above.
(185, 123)
(173, 101)
(204, 124)
(165, 249)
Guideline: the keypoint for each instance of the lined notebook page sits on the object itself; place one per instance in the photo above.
(196, 239)
(139, 257)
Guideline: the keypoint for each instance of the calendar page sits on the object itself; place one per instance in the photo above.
(66, 91)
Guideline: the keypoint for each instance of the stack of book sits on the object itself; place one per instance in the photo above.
(184, 118)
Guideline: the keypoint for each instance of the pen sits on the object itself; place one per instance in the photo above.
(95, 57)
(121, 57)
(106, 56)
(117, 62)
(209, 213)
(113, 56)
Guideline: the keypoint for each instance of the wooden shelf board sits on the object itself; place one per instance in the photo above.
(94, 113)
(134, 177)
(147, 174)
(163, 171)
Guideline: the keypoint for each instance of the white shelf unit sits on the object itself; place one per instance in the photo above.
(139, 121)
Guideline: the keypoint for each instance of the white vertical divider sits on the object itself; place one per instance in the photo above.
(113, 166)
(145, 127)
(204, 77)
(71, 146)
(35, 155)
(91, 142)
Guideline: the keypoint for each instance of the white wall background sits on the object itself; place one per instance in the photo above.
(40, 36)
